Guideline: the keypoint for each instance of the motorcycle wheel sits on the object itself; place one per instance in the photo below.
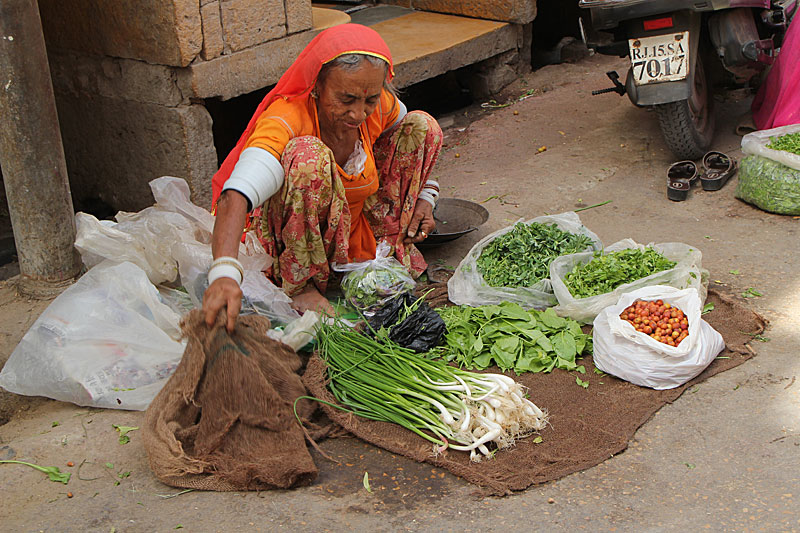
(688, 125)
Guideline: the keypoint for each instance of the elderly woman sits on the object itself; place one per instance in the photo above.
(330, 164)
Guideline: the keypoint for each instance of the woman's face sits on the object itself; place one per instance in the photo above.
(347, 97)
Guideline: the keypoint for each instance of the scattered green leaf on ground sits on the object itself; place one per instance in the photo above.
(52, 471)
(537, 440)
(708, 308)
(734, 272)
(123, 432)
(584, 384)
(54, 424)
(366, 482)
(689, 465)
(751, 293)
(110, 465)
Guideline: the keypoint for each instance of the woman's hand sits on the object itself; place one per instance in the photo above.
(228, 227)
(422, 223)
(224, 292)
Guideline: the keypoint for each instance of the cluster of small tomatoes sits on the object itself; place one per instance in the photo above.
(660, 320)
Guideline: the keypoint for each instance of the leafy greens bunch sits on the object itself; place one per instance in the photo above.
(512, 338)
(788, 143)
(606, 272)
(522, 257)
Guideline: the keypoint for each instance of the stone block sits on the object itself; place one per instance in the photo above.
(516, 11)
(298, 15)
(80, 76)
(212, 31)
(165, 32)
(243, 72)
(490, 76)
(246, 23)
(115, 147)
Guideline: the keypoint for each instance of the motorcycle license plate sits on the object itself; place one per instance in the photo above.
(659, 58)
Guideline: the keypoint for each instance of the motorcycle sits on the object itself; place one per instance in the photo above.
(680, 50)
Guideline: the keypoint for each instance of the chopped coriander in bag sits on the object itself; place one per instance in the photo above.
(583, 293)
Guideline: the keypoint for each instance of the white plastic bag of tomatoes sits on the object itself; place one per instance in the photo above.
(637, 357)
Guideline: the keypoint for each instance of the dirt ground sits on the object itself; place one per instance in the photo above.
(724, 457)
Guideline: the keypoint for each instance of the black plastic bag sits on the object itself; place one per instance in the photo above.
(420, 330)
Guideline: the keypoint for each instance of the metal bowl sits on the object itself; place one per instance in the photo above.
(455, 218)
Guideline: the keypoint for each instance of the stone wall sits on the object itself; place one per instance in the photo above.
(169, 32)
(126, 88)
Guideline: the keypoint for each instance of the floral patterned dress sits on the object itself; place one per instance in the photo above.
(305, 227)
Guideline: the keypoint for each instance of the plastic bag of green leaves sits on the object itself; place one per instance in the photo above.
(769, 185)
(513, 264)
(588, 282)
(369, 284)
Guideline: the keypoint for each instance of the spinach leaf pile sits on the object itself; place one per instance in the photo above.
(606, 272)
(522, 257)
(512, 338)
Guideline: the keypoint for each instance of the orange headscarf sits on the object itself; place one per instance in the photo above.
(301, 76)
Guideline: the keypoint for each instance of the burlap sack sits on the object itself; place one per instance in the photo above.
(224, 421)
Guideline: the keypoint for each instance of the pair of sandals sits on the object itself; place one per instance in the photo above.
(718, 168)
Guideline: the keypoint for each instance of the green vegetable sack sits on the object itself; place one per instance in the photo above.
(522, 256)
(513, 263)
(769, 185)
(606, 272)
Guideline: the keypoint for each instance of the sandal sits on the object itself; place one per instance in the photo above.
(719, 168)
(678, 189)
(680, 177)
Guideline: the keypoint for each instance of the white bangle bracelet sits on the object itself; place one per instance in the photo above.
(226, 267)
(428, 197)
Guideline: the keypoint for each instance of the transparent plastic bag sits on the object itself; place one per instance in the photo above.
(467, 286)
(173, 237)
(755, 143)
(622, 351)
(688, 272)
(106, 341)
(369, 284)
(769, 185)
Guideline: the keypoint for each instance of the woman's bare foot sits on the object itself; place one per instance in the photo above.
(310, 299)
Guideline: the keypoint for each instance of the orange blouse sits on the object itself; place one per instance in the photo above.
(286, 119)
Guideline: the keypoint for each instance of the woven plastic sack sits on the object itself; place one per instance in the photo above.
(688, 272)
(769, 185)
(623, 352)
(467, 286)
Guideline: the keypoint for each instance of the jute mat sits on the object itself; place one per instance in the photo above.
(587, 426)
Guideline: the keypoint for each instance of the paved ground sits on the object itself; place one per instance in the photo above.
(724, 457)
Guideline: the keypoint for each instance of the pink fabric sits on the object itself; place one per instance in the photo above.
(778, 100)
